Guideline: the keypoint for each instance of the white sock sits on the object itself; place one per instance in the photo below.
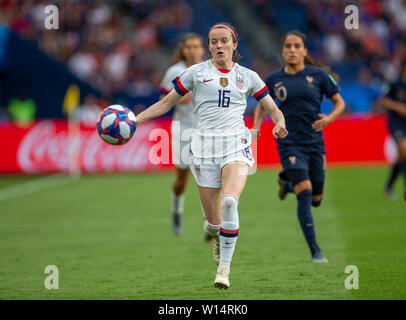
(177, 202)
(211, 229)
(229, 227)
(225, 264)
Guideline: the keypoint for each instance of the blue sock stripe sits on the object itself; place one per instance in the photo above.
(229, 233)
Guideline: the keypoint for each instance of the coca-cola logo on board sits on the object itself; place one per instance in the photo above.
(46, 147)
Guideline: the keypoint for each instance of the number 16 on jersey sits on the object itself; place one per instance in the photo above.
(224, 101)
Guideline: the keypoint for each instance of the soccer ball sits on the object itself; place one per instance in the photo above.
(116, 124)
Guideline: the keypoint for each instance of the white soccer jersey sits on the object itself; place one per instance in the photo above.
(183, 112)
(219, 100)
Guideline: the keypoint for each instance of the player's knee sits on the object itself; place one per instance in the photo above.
(316, 203)
(300, 180)
(179, 187)
(302, 186)
(229, 205)
(317, 193)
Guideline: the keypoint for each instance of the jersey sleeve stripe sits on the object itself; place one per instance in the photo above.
(179, 87)
(164, 90)
(261, 93)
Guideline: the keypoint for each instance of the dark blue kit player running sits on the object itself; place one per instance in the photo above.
(299, 88)
(394, 100)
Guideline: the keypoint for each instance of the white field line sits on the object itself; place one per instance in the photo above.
(34, 186)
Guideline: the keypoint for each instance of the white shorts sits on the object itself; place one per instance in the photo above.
(207, 172)
(181, 136)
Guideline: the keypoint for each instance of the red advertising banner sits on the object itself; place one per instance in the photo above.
(46, 146)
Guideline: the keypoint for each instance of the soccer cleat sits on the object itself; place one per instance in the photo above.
(281, 192)
(319, 258)
(216, 250)
(221, 280)
(177, 223)
(389, 194)
(404, 194)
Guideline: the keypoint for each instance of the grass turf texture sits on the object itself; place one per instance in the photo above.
(110, 237)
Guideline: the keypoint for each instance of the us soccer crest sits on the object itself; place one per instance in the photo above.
(224, 82)
(240, 82)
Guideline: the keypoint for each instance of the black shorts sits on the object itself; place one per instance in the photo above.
(397, 128)
(313, 162)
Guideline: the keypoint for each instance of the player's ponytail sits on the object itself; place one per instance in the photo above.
(234, 35)
(309, 60)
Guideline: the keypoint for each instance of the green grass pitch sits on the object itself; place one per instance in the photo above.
(110, 237)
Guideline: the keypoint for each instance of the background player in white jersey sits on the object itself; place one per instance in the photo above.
(220, 148)
(189, 52)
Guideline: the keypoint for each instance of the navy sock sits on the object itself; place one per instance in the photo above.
(288, 187)
(404, 169)
(304, 214)
(396, 168)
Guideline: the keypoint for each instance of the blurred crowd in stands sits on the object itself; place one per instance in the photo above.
(365, 57)
(126, 45)
(115, 45)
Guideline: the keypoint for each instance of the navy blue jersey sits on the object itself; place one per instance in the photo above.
(397, 92)
(299, 97)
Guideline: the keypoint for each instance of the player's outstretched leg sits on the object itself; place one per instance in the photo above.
(207, 235)
(177, 213)
(213, 232)
(228, 238)
(304, 200)
(178, 200)
(404, 173)
(402, 160)
(394, 173)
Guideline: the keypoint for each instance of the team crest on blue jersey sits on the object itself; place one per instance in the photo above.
(224, 82)
(309, 80)
(292, 160)
(240, 82)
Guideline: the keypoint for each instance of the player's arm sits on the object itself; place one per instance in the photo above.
(324, 120)
(392, 105)
(259, 117)
(268, 105)
(186, 99)
(159, 108)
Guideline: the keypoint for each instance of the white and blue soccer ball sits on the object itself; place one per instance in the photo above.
(116, 124)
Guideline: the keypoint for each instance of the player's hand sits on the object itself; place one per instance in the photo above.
(279, 131)
(255, 134)
(320, 124)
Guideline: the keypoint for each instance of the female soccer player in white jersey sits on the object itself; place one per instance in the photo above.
(220, 147)
(189, 52)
